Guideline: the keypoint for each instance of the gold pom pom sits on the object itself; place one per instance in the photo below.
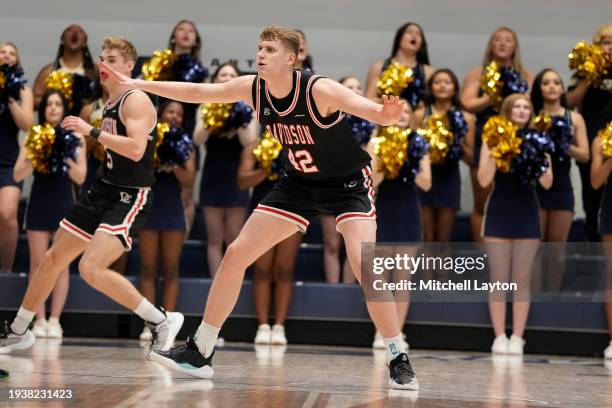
(162, 129)
(391, 147)
(394, 79)
(589, 62)
(159, 67)
(605, 135)
(266, 152)
(439, 136)
(542, 123)
(215, 115)
(491, 83)
(39, 144)
(62, 82)
(98, 148)
(2, 81)
(500, 136)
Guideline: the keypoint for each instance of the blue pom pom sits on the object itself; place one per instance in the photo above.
(64, 148)
(415, 91)
(531, 163)
(561, 135)
(188, 69)
(14, 83)
(417, 148)
(240, 116)
(175, 148)
(361, 129)
(513, 82)
(459, 127)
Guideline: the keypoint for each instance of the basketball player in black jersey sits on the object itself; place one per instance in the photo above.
(101, 225)
(329, 173)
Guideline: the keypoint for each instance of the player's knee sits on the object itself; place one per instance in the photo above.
(52, 257)
(88, 271)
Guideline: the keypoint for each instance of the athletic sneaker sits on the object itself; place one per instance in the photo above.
(608, 352)
(146, 334)
(515, 345)
(401, 375)
(500, 345)
(163, 334)
(39, 329)
(10, 341)
(54, 330)
(378, 343)
(278, 335)
(186, 359)
(263, 334)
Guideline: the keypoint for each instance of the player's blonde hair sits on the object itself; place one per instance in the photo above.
(288, 36)
(127, 49)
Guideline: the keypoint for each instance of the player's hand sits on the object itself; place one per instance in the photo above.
(76, 124)
(392, 110)
(123, 80)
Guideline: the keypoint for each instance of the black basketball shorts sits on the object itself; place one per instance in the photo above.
(118, 211)
(298, 200)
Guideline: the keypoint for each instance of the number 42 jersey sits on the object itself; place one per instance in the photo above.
(318, 148)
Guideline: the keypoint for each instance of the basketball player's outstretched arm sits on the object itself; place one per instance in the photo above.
(330, 97)
(139, 116)
(238, 89)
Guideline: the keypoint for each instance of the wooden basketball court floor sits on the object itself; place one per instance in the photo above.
(115, 373)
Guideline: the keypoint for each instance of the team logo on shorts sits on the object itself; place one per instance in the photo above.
(125, 197)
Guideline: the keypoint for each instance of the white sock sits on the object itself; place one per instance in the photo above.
(22, 321)
(149, 313)
(394, 346)
(206, 337)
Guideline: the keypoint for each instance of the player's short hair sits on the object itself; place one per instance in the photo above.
(288, 36)
(127, 49)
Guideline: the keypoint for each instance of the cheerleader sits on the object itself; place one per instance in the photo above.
(601, 168)
(224, 204)
(15, 114)
(511, 230)
(162, 236)
(440, 204)
(304, 60)
(51, 198)
(409, 50)
(592, 100)
(72, 57)
(186, 39)
(398, 210)
(92, 114)
(503, 48)
(568, 131)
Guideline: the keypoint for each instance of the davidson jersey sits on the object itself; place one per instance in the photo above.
(318, 148)
(119, 170)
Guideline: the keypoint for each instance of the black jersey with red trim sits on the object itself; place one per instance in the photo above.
(318, 148)
(117, 169)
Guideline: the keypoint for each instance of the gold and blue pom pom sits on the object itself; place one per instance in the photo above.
(61, 82)
(559, 130)
(187, 68)
(391, 147)
(172, 147)
(589, 61)
(361, 129)
(49, 149)
(394, 79)
(266, 153)
(605, 135)
(531, 162)
(160, 66)
(500, 136)
(98, 148)
(215, 116)
(491, 83)
(2, 81)
(240, 116)
(11, 84)
(439, 136)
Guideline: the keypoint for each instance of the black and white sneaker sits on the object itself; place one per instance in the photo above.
(186, 359)
(164, 334)
(10, 341)
(401, 376)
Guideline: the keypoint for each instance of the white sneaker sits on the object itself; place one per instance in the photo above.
(39, 330)
(278, 335)
(515, 345)
(608, 351)
(146, 334)
(220, 343)
(10, 341)
(263, 334)
(166, 331)
(54, 329)
(500, 345)
(379, 343)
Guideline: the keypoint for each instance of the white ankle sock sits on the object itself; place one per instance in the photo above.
(206, 337)
(149, 313)
(22, 321)
(394, 346)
